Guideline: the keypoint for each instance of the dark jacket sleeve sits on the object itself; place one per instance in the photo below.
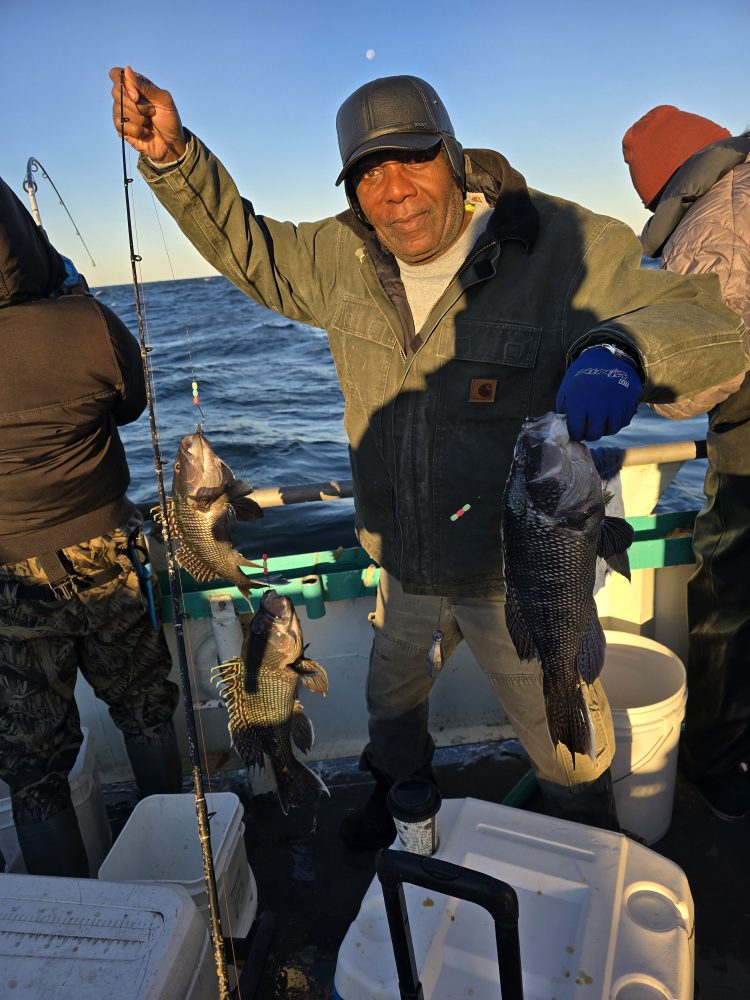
(131, 401)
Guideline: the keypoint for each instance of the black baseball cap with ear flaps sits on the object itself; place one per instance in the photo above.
(395, 112)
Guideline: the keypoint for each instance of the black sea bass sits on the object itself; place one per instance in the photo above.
(554, 527)
(260, 689)
(205, 504)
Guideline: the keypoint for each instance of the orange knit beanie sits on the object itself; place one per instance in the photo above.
(660, 142)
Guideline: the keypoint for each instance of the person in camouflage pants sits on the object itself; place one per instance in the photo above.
(105, 630)
(71, 375)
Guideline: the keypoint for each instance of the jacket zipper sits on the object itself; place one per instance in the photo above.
(469, 260)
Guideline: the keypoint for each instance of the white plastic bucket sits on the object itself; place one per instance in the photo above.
(88, 802)
(160, 843)
(645, 684)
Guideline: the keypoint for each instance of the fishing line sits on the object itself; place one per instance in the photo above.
(193, 378)
(174, 588)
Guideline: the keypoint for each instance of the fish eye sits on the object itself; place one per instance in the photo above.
(177, 466)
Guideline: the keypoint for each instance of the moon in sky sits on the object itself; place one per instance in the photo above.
(370, 53)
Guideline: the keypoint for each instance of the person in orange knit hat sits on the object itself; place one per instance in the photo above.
(695, 178)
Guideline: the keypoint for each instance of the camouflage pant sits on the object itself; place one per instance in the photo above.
(106, 631)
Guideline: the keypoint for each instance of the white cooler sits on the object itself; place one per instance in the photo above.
(600, 917)
(81, 939)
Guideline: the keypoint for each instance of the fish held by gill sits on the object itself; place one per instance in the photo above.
(554, 528)
(205, 505)
(260, 690)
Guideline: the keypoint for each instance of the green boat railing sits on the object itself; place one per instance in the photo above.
(317, 578)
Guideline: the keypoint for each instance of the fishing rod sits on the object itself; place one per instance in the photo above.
(31, 188)
(201, 808)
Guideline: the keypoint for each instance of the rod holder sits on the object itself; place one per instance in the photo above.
(312, 595)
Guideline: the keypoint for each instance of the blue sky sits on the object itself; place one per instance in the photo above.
(551, 84)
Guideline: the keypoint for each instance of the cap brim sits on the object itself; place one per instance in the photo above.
(417, 141)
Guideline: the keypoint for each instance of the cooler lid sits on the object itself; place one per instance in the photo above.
(81, 939)
(599, 916)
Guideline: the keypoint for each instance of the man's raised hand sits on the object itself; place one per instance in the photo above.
(152, 125)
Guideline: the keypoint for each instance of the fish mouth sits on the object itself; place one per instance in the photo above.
(277, 606)
(545, 460)
(197, 465)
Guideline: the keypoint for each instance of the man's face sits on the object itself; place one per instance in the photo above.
(412, 201)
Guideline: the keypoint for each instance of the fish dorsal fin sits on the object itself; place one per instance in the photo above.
(196, 567)
(303, 734)
(518, 628)
(230, 676)
(590, 656)
(614, 539)
(159, 521)
(244, 508)
(245, 736)
(312, 674)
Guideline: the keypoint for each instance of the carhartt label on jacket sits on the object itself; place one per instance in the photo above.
(482, 390)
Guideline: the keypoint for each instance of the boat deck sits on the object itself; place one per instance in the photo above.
(313, 885)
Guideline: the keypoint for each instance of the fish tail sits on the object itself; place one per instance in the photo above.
(297, 784)
(569, 720)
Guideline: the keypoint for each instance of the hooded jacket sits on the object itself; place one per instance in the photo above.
(70, 374)
(432, 415)
(701, 225)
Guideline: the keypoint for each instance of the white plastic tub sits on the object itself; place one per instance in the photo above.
(88, 802)
(601, 917)
(160, 843)
(80, 939)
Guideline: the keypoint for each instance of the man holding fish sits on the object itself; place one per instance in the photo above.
(457, 303)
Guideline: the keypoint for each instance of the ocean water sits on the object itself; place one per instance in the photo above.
(272, 408)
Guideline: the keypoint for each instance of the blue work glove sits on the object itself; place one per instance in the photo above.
(599, 393)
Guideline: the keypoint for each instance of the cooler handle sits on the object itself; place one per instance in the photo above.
(498, 898)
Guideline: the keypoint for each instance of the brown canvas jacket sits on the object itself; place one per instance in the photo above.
(433, 429)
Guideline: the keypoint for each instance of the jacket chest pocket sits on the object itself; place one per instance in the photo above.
(487, 368)
(363, 347)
